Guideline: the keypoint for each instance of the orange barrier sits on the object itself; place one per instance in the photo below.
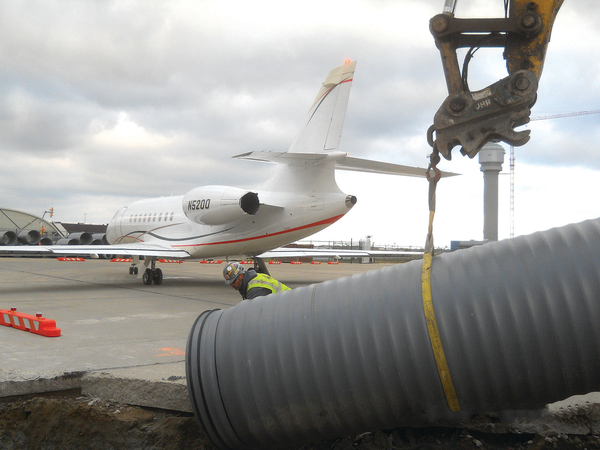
(274, 262)
(214, 261)
(172, 261)
(315, 262)
(333, 262)
(246, 262)
(63, 258)
(26, 322)
(296, 262)
(121, 260)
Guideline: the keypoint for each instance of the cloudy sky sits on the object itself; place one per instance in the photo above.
(106, 102)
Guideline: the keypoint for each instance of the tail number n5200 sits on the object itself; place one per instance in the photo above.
(197, 205)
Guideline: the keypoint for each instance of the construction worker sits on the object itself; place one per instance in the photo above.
(249, 283)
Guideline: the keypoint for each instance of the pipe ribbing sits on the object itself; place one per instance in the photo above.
(518, 320)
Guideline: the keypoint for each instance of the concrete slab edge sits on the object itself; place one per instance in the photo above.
(171, 395)
(576, 416)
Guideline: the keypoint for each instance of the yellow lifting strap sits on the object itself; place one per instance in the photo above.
(432, 328)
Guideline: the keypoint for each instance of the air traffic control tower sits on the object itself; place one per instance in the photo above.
(491, 157)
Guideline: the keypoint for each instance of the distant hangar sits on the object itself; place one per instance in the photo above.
(18, 227)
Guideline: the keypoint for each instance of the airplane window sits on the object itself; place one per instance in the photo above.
(145, 215)
(160, 217)
(154, 218)
(172, 214)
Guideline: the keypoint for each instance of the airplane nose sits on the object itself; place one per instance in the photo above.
(351, 201)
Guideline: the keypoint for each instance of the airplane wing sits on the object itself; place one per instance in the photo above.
(140, 249)
(286, 252)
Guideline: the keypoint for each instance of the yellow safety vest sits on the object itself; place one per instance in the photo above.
(270, 283)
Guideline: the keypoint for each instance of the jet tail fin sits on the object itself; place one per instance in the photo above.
(316, 146)
(323, 125)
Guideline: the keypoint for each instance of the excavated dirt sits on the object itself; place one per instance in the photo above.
(68, 421)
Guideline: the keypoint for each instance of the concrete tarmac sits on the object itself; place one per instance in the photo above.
(124, 341)
(117, 334)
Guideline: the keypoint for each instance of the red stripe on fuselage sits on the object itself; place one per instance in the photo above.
(234, 241)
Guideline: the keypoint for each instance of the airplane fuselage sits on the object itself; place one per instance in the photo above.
(284, 218)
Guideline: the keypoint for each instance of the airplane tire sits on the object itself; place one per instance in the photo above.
(131, 271)
(135, 270)
(147, 277)
(158, 277)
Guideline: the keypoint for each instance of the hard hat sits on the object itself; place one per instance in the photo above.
(232, 271)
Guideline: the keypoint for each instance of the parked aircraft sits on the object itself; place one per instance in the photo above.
(300, 199)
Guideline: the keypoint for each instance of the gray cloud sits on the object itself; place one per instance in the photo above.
(194, 83)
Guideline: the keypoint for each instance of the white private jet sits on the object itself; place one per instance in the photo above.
(300, 199)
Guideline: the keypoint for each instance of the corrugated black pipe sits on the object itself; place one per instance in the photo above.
(29, 237)
(83, 237)
(8, 238)
(519, 321)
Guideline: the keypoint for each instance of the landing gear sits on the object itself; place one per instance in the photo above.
(152, 274)
(158, 277)
(260, 266)
(135, 260)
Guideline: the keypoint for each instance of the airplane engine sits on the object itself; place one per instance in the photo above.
(217, 205)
